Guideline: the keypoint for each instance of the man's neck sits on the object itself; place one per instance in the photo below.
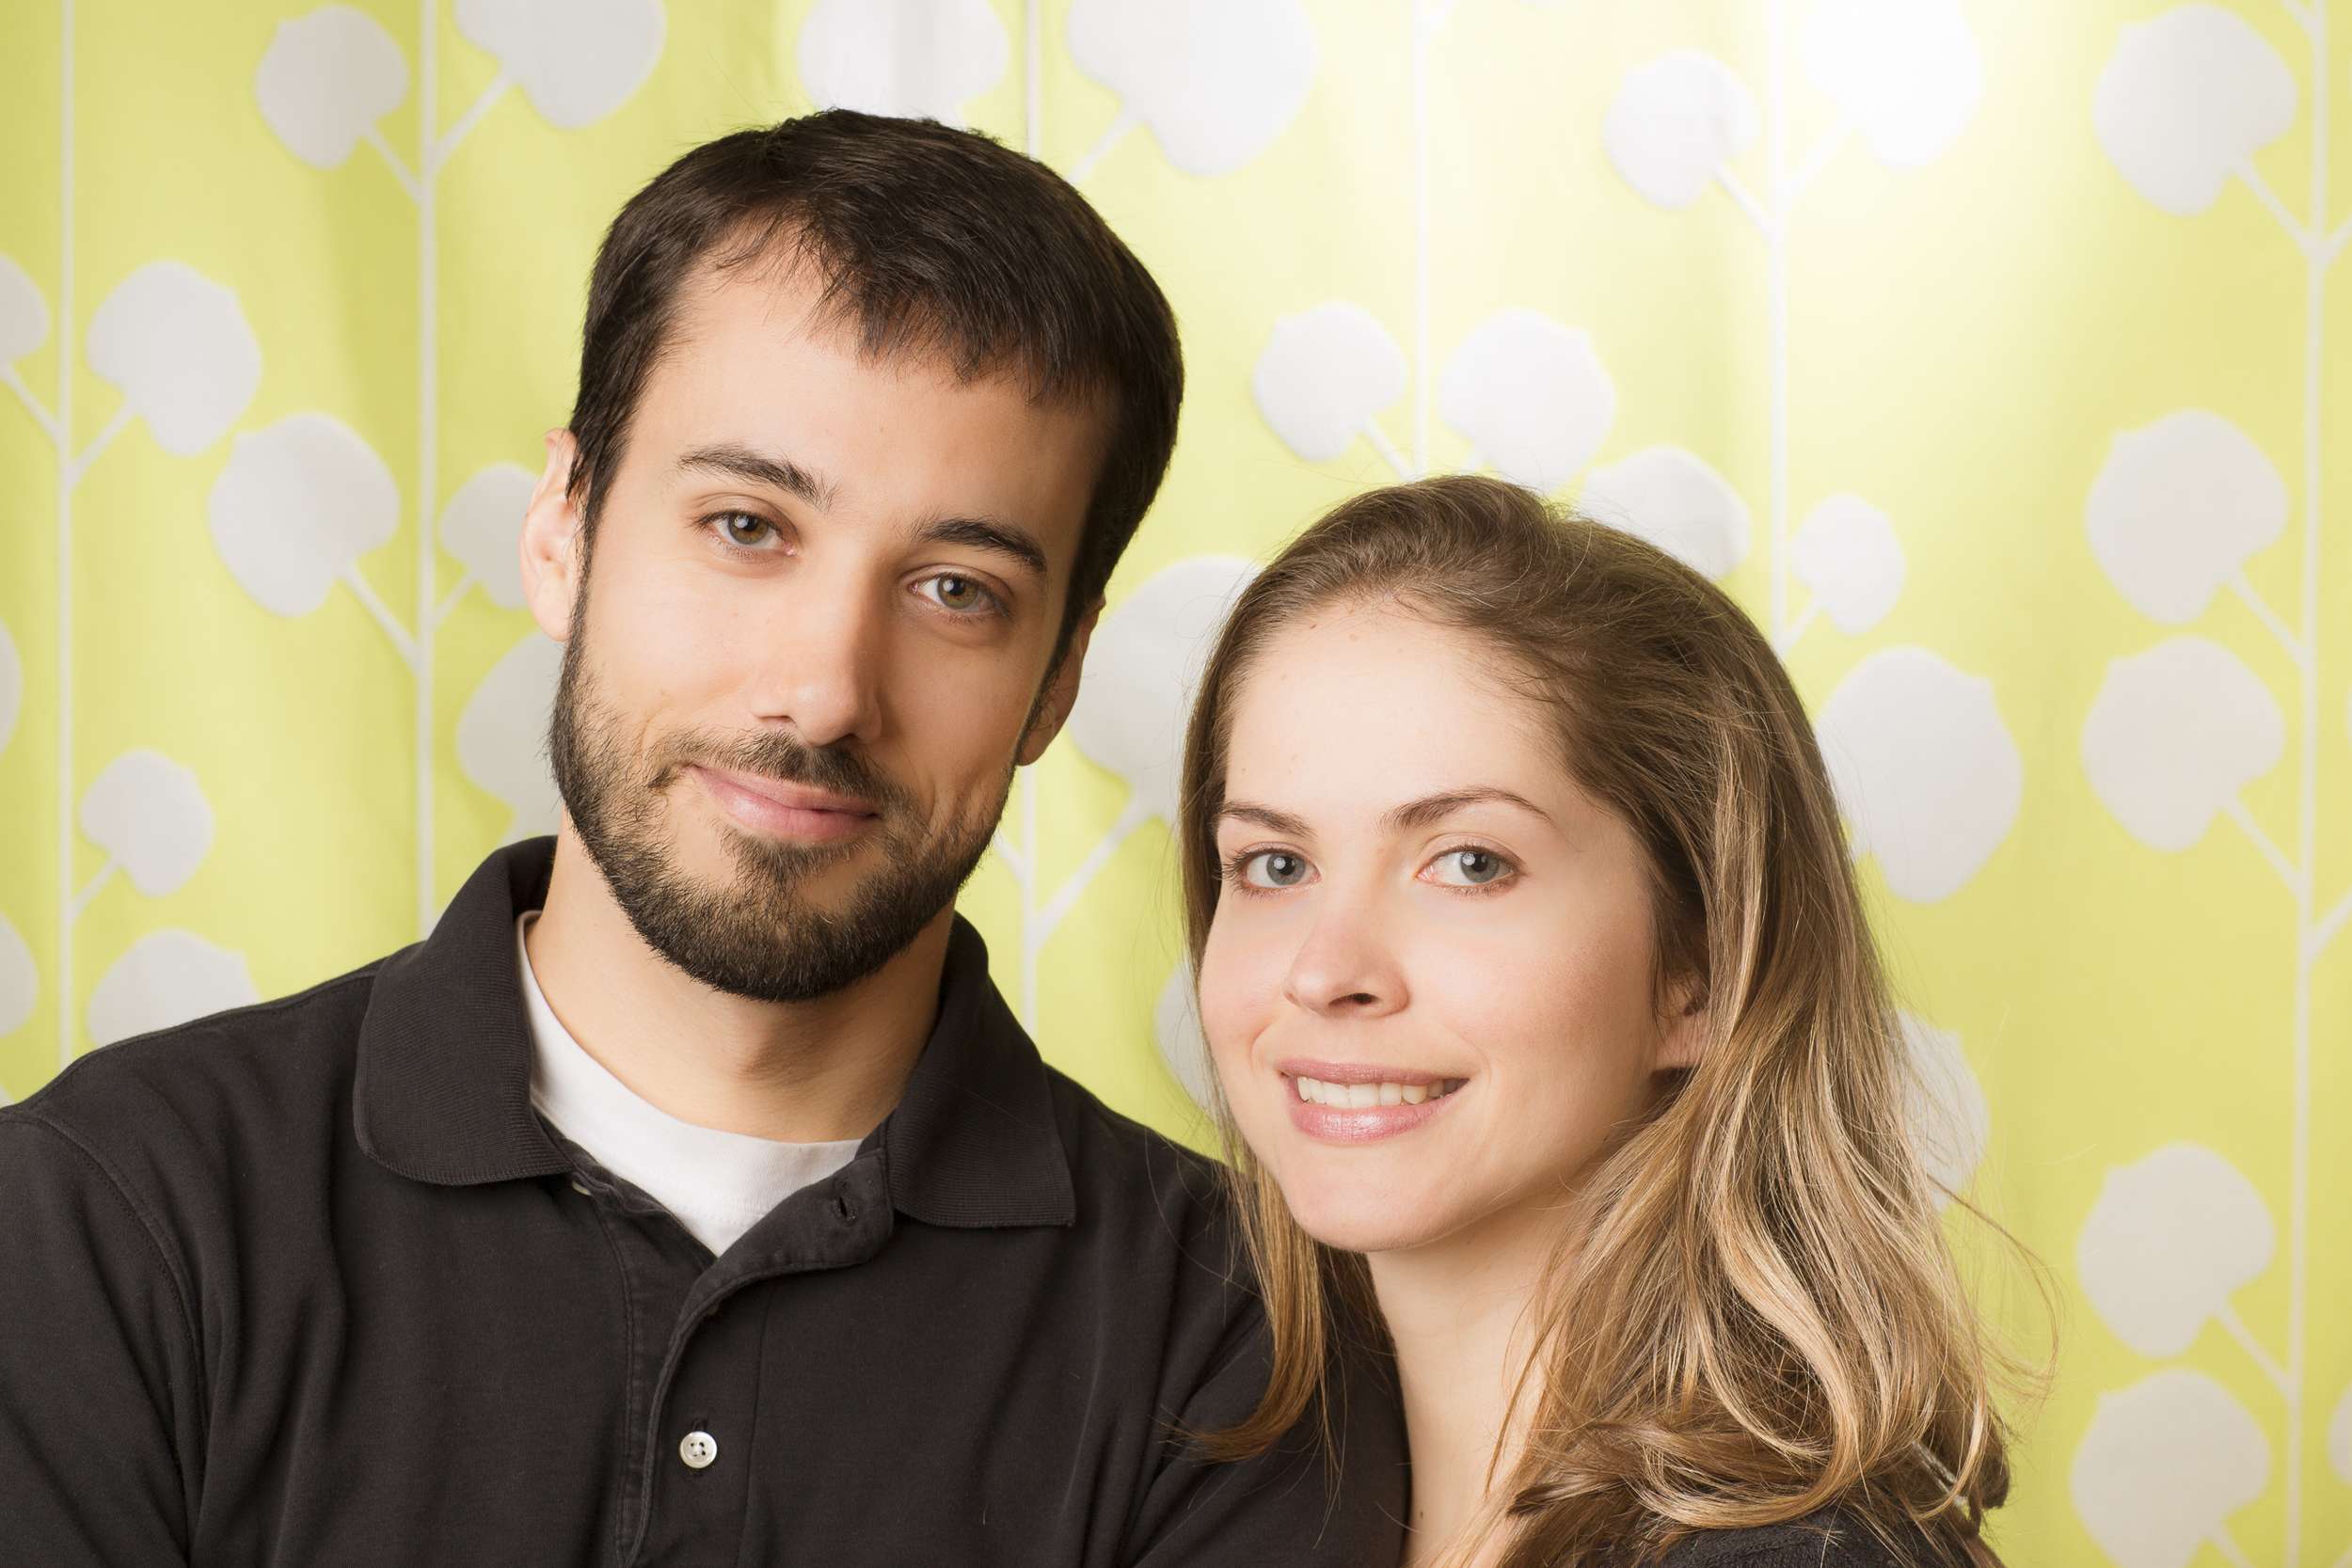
(1456, 1311)
(811, 1071)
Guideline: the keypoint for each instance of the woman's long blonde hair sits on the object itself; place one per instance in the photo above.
(1757, 1316)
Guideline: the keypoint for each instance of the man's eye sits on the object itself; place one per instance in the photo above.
(742, 529)
(1468, 868)
(1274, 868)
(958, 593)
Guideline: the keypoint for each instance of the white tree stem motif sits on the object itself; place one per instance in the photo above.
(1112, 135)
(32, 403)
(1429, 16)
(2293, 646)
(1776, 235)
(373, 136)
(457, 133)
(1033, 78)
(2235, 1326)
(2181, 173)
(62, 438)
(90, 890)
(428, 445)
(2298, 1202)
(99, 443)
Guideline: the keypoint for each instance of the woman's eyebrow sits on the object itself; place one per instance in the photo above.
(1436, 808)
(1264, 816)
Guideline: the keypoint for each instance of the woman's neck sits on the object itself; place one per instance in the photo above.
(1456, 1310)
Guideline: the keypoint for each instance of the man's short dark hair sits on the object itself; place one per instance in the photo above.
(929, 242)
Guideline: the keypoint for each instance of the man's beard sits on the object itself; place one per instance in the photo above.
(757, 934)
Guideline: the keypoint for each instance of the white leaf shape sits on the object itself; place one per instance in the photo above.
(1672, 499)
(2178, 508)
(1924, 768)
(1322, 375)
(2168, 1241)
(1674, 123)
(1141, 668)
(1215, 80)
(2174, 736)
(920, 59)
(12, 689)
(150, 813)
(2185, 101)
(1846, 551)
(1948, 1117)
(2339, 1428)
(295, 504)
(503, 735)
(575, 60)
(167, 977)
(2164, 1465)
(326, 79)
(23, 313)
(1531, 395)
(1176, 1027)
(1906, 73)
(483, 527)
(176, 345)
(20, 981)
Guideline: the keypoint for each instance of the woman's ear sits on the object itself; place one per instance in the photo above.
(1682, 1026)
(554, 563)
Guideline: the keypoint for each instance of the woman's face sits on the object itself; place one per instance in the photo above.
(1429, 986)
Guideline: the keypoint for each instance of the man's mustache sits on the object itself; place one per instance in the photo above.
(778, 755)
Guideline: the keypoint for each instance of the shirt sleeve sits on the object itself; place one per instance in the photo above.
(98, 1396)
(1313, 1500)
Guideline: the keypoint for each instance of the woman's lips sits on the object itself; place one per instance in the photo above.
(1353, 1103)
(775, 809)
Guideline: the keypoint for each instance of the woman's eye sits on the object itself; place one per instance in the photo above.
(1274, 868)
(1470, 867)
(958, 593)
(745, 531)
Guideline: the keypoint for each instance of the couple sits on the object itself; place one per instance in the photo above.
(690, 1195)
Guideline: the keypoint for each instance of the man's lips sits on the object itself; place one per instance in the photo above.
(776, 808)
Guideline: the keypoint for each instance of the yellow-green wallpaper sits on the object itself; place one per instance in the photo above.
(1983, 347)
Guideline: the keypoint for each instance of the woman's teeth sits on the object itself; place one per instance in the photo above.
(1358, 1097)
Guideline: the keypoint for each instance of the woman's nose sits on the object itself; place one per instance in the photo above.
(1346, 968)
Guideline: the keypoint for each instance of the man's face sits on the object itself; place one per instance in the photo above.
(826, 593)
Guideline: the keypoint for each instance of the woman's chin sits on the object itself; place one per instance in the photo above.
(1345, 1221)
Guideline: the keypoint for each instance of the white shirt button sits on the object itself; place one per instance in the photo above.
(698, 1449)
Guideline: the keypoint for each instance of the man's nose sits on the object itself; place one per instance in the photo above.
(823, 659)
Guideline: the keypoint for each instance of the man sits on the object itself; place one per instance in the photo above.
(691, 1196)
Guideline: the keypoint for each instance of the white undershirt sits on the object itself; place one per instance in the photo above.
(718, 1184)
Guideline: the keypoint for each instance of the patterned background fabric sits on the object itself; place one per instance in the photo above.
(1979, 346)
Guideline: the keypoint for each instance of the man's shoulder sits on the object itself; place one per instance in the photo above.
(1149, 1190)
(252, 1069)
(1115, 1153)
(1830, 1539)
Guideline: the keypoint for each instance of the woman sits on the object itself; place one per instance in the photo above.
(1553, 1042)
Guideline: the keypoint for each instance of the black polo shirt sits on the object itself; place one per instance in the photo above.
(311, 1283)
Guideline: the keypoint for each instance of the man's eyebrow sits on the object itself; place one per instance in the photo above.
(774, 473)
(1002, 538)
(1431, 809)
(1264, 816)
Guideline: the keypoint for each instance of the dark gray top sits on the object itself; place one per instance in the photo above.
(1826, 1540)
(311, 1283)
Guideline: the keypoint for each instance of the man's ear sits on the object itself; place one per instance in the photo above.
(1054, 711)
(554, 561)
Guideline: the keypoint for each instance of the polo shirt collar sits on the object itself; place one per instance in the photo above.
(443, 1089)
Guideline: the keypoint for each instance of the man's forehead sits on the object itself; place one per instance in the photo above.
(782, 291)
